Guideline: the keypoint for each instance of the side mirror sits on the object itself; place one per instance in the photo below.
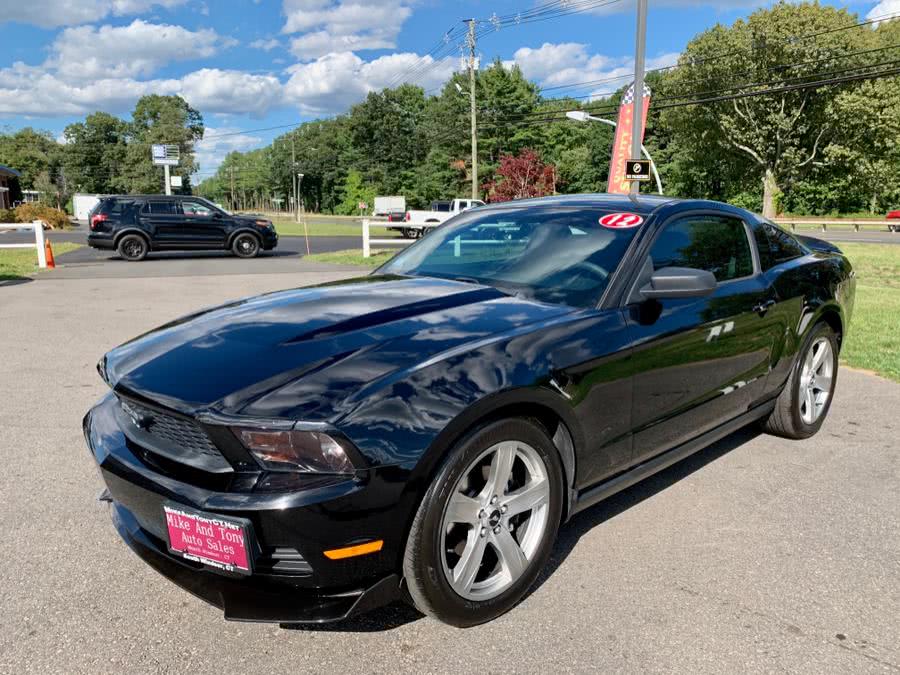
(217, 215)
(679, 282)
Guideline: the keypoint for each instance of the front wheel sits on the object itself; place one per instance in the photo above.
(487, 524)
(804, 402)
(245, 246)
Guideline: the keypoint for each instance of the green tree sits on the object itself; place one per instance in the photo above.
(94, 154)
(33, 153)
(355, 191)
(777, 137)
(160, 119)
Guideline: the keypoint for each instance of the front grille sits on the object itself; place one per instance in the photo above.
(171, 437)
(182, 433)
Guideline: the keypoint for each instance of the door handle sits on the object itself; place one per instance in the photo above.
(764, 307)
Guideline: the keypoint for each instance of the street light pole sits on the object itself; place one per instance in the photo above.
(581, 116)
(637, 125)
(474, 114)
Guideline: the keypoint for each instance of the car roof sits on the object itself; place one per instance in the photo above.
(155, 197)
(617, 202)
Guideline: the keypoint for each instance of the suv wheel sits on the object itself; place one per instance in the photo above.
(804, 402)
(487, 525)
(245, 246)
(133, 247)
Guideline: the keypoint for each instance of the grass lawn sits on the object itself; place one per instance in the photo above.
(873, 340)
(18, 263)
(353, 257)
(288, 228)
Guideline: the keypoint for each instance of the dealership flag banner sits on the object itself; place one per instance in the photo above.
(621, 153)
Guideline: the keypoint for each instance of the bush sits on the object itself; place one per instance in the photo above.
(56, 219)
(7, 216)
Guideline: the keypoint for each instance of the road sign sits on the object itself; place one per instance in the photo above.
(363, 206)
(165, 155)
(175, 181)
(637, 169)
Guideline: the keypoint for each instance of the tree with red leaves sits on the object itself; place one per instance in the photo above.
(520, 177)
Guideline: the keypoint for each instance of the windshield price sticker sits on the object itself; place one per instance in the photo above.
(619, 221)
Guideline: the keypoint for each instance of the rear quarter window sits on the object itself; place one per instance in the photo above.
(782, 245)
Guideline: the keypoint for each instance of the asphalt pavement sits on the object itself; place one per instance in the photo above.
(755, 555)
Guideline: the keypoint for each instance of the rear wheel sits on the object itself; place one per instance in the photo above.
(245, 246)
(133, 247)
(487, 525)
(804, 402)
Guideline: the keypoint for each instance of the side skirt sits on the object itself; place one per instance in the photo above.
(590, 496)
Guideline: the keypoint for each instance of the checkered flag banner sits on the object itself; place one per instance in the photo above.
(629, 94)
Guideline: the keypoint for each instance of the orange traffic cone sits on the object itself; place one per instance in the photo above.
(48, 251)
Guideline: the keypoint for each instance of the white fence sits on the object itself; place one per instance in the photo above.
(838, 224)
(367, 236)
(38, 228)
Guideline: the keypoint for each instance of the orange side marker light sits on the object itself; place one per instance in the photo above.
(352, 551)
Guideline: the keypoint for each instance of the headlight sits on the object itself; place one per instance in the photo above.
(306, 451)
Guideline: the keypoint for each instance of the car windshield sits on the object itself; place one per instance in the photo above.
(556, 255)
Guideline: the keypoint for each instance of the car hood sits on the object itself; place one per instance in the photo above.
(304, 353)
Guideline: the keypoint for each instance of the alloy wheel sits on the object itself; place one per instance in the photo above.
(246, 245)
(495, 520)
(133, 248)
(816, 378)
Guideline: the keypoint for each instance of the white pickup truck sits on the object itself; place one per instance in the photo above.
(418, 223)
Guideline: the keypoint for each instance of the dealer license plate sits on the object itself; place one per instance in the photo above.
(219, 542)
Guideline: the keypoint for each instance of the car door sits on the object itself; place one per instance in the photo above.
(203, 225)
(162, 218)
(698, 362)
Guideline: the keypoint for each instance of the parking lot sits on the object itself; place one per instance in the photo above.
(757, 554)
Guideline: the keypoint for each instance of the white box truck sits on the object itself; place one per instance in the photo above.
(386, 206)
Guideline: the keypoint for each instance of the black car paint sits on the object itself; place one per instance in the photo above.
(402, 367)
(175, 232)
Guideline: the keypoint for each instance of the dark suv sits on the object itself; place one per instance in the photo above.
(134, 225)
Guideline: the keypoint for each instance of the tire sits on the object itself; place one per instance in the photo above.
(791, 417)
(133, 248)
(460, 518)
(409, 232)
(245, 245)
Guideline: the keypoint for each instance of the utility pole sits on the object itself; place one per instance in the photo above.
(168, 179)
(294, 181)
(232, 188)
(637, 121)
(472, 43)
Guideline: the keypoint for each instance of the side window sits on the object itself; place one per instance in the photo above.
(196, 209)
(713, 243)
(162, 208)
(782, 245)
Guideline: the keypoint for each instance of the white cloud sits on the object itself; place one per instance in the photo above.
(883, 8)
(334, 82)
(265, 45)
(31, 91)
(217, 143)
(332, 26)
(570, 63)
(214, 90)
(138, 49)
(53, 13)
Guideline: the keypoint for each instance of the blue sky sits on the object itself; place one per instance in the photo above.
(251, 64)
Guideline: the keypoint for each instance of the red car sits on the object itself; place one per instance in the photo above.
(894, 215)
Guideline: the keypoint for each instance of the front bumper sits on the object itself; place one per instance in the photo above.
(302, 586)
(243, 600)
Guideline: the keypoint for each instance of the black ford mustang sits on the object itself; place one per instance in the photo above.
(422, 432)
